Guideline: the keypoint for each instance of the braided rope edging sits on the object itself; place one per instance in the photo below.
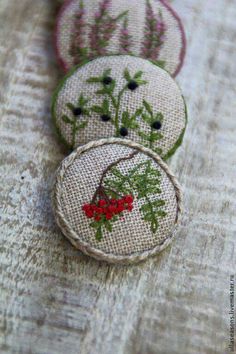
(72, 235)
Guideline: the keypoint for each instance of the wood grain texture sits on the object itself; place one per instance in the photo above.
(55, 300)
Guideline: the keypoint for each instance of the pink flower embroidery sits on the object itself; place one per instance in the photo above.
(154, 34)
(78, 48)
(125, 38)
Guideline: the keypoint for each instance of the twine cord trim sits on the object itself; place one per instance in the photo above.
(73, 236)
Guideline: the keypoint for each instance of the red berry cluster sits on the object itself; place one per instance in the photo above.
(108, 208)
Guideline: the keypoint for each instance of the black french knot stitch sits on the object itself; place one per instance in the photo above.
(156, 125)
(123, 131)
(105, 117)
(132, 85)
(107, 80)
(77, 111)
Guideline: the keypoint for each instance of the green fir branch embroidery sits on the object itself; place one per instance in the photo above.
(116, 192)
(143, 181)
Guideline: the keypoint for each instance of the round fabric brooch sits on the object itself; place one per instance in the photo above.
(145, 28)
(121, 96)
(116, 200)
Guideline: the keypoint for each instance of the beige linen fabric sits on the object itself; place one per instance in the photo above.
(171, 52)
(131, 239)
(160, 91)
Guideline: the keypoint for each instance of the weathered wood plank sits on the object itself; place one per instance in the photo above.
(54, 299)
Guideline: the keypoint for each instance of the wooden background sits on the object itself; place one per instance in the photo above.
(55, 300)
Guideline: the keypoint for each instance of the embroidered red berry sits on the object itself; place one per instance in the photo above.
(105, 211)
(111, 209)
(86, 207)
(99, 210)
(108, 216)
(93, 207)
(130, 207)
(120, 208)
(120, 202)
(102, 202)
(89, 214)
(129, 199)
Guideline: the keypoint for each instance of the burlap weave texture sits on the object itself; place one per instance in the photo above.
(171, 51)
(160, 91)
(131, 234)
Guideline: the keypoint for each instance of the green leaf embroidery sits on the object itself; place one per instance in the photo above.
(78, 112)
(94, 80)
(142, 182)
(145, 181)
(99, 233)
(81, 126)
(111, 107)
(138, 75)
(108, 226)
(127, 75)
(106, 72)
(66, 119)
(148, 107)
(97, 109)
(70, 106)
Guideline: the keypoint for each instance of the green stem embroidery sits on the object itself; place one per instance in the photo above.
(110, 110)
(79, 112)
(107, 89)
(117, 110)
(154, 121)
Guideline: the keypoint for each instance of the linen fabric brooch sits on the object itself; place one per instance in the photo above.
(116, 200)
(122, 114)
(150, 29)
(120, 96)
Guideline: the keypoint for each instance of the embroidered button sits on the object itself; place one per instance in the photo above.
(116, 200)
(87, 29)
(122, 96)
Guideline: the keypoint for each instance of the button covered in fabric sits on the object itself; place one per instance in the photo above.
(116, 201)
(120, 96)
(150, 29)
